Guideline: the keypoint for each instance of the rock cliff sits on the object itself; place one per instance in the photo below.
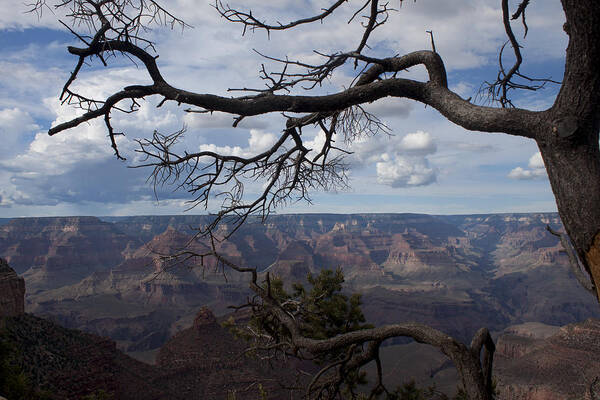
(12, 291)
(66, 363)
(456, 272)
(534, 366)
(52, 252)
(71, 364)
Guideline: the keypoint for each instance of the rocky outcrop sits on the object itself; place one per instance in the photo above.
(12, 291)
(205, 361)
(68, 363)
(561, 366)
(514, 346)
(518, 340)
(205, 320)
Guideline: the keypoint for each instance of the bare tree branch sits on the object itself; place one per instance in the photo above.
(592, 389)
(249, 21)
(289, 170)
(284, 331)
(434, 93)
(498, 90)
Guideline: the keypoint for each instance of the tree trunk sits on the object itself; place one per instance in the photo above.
(472, 378)
(574, 173)
(569, 140)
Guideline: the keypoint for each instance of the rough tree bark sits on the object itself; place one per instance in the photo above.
(568, 137)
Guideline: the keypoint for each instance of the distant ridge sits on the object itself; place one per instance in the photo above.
(457, 273)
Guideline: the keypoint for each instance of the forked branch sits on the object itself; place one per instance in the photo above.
(288, 171)
(507, 79)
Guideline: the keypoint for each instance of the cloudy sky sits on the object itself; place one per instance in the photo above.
(426, 165)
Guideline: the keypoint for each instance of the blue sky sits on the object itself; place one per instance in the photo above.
(427, 165)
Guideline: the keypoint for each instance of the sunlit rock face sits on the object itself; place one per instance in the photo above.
(12, 291)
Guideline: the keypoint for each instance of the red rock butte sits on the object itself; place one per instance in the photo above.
(12, 291)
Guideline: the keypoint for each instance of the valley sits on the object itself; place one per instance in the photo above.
(456, 273)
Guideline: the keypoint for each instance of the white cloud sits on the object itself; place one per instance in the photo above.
(402, 161)
(391, 107)
(399, 161)
(16, 16)
(371, 149)
(398, 171)
(463, 89)
(15, 124)
(316, 144)
(224, 150)
(73, 166)
(536, 161)
(23, 85)
(213, 56)
(536, 169)
(258, 142)
(418, 142)
(221, 120)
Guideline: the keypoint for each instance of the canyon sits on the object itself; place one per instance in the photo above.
(204, 361)
(106, 276)
(552, 363)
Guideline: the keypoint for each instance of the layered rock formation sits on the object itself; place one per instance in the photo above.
(69, 364)
(518, 340)
(537, 365)
(457, 273)
(52, 252)
(12, 291)
(201, 362)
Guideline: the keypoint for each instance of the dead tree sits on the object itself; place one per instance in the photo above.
(286, 336)
(566, 133)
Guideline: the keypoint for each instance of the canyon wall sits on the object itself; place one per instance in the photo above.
(542, 365)
(457, 273)
(12, 291)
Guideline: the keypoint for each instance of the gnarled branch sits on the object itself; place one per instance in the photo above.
(288, 169)
(286, 330)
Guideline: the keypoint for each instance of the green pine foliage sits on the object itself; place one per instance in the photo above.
(328, 312)
(324, 311)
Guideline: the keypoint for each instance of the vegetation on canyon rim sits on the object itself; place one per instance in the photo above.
(566, 134)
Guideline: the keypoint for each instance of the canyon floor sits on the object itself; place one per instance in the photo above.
(106, 276)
